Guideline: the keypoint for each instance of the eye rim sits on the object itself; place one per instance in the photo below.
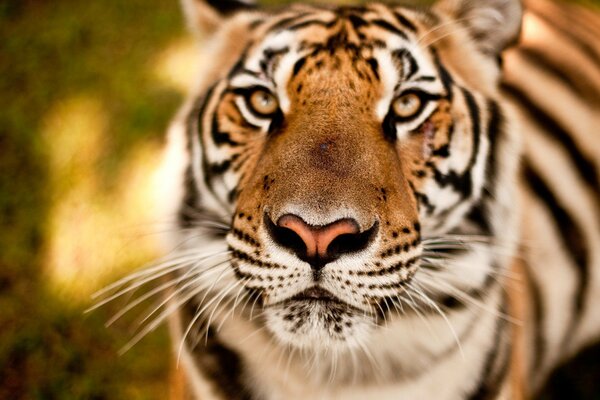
(249, 96)
(423, 99)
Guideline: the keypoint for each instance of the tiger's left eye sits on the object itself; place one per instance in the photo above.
(263, 103)
(407, 105)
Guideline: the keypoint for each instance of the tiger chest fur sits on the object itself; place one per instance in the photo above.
(347, 189)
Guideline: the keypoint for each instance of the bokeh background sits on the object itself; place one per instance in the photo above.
(87, 89)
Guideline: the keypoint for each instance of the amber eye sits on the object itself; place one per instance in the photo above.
(263, 103)
(407, 105)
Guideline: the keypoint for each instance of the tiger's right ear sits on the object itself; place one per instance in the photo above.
(204, 16)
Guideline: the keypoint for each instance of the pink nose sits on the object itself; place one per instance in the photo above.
(318, 238)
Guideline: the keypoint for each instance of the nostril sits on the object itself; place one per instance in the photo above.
(286, 237)
(352, 243)
(319, 244)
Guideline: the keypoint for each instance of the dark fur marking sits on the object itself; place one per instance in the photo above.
(282, 24)
(445, 76)
(244, 237)
(537, 309)
(220, 364)
(570, 78)
(405, 22)
(573, 238)
(494, 370)
(313, 22)
(585, 47)
(374, 67)
(243, 256)
(389, 27)
(389, 270)
(403, 55)
(221, 138)
(298, 66)
(228, 7)
(451, 302)
(586, 168)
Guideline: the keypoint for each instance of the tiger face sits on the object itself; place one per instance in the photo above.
(338, 143)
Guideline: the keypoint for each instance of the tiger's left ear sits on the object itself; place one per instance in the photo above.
(493, 24)
(205, 16)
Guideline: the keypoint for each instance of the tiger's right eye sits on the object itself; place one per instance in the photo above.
(263, 102)
(407, 105)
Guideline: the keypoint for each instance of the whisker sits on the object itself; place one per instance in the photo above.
(164, 270)
(180, 290)
(159, 289)
(151, 326)
(235, 304)
(152, 267)
(467, 300)
(428, 300)
(199, 314)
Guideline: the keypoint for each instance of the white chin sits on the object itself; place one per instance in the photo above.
(318, 325)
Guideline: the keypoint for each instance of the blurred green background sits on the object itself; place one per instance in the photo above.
(88, 89)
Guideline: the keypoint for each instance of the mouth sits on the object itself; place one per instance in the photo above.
(317, 294)
(317, 319)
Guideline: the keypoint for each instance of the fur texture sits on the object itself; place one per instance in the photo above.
(469, 276)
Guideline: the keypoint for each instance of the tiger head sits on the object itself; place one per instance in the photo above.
(343, 146)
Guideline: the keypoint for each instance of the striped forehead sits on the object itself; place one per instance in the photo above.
(391, 36)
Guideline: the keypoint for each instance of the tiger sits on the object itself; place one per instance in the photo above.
(384, 201)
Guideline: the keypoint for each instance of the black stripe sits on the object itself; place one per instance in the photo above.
(221, 167)
(445, 76)
(405, 22)
(270, 56)
(493, 375)
(220, 138)
(403, 56)
(389, 27)
(496, 121)
(573, 239)
(478, 215)
(190, 199)
(539, 60)
(298, 66)
(585, 168)
(475, 126)
(282, 24)
(463, 183)
(537, 309)
(422, 200)
(227, 7)
(200, 118)
(233, 195)
(220, 364)
(479, 212)
(191, 196)
(240, 67)
(312, 22)
(356, 21)
(451, 302)
(374, 67)
(585, 47)
(206, 167)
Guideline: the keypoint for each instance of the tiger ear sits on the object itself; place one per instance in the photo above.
(205, 16)
(493, 24)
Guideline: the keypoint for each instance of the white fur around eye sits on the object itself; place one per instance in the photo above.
(242, 106)
(404, 129)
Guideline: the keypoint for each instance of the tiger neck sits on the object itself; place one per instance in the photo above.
(466, 356)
